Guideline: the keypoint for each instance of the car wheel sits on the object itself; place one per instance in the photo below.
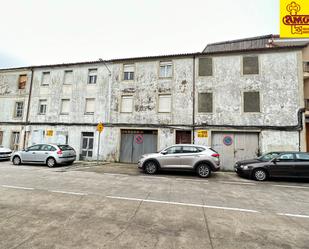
(151, 167)
(16, 160)
(259, 175)
(203, 170)
(51, 162)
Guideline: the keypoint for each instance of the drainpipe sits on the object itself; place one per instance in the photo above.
(193, 101)
(109, 90)
(28, 109)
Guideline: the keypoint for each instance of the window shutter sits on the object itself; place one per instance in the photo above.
(90, 105)
(250, 65)
(128, 68)
(205, 67)
(68, 77)
(165, 102)
(46, 78)
(205, 102)
(251, 102)
(126, 103)
(65, 106)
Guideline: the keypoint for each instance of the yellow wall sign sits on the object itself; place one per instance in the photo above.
(202, 133)
(49, 133)
(294, 19)
(100, 127)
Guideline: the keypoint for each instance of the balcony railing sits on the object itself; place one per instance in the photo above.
(306, 66)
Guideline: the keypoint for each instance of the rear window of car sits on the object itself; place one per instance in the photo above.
(302, 156)
(65, 147)
(214, 150)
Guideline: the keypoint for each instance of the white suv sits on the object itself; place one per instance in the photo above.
(199, 158)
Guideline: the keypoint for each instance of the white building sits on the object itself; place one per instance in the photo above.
(240, 100)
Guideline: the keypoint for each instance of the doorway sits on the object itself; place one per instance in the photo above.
(87, 146)
(15, 140)
(183, 137)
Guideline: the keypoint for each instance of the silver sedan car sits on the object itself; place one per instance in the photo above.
(49, 154)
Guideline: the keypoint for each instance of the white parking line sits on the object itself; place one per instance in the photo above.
(115, 174)
(16, 187)
(182, 204)
(290, 186)
(241, 183)
(66, 192)
(294, 215)
(155, 177)
(191, 180)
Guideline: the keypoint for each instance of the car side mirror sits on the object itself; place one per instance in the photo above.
(26, 150)
(164, 152)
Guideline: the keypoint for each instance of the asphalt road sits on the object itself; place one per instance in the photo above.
(92, 208)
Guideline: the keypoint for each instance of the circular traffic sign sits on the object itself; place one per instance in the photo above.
(228, 140)
(139, 138)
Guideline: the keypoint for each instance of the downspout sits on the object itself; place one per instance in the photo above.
(28, 109)
(193, 101)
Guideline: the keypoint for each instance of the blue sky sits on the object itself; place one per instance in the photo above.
(37, 32)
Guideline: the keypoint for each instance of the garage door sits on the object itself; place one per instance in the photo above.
(233, 147)
(135, 143)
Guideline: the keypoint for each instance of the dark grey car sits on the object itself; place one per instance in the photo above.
(284, 164)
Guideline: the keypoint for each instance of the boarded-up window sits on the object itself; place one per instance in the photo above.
(65, 106)
(92, 76)
(128, 72)
(251, 102)
(45, 78)
(19, 107)
(68, 77)
(22, 81)
(90, 106)
(166, 69)
(42, 106)
(205, 102)
(250, 65)
(126, 103)
(165, 103)
(205, 67)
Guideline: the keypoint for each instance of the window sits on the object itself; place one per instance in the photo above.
(251, 102)
(205, 102)
(174, 150)
(68, 77)
(189, 149)
(22, 81)
(34, 148)
(165, 103)
(1, 137)
(19, 106)
(302, 156)
(166, 69)
(205, 67)
(42, 106)
(286, 157)
(65, 106)
(89, 108)
(127, 103)
(269, 156)
(250, 65)
(45, 78)
(128, 72)
(92, 76)
(47, 147)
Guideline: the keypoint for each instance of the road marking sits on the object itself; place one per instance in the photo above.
(66, 192)
(16, 187)
(294, 215)
(115, 174)
(241, 183)
(155, 177)
(182, 204)
(290, 186)
(191, 180)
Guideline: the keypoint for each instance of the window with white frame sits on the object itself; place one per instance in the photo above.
(165, 103)
(128, 72)
(92, 76)
(45, 78)
(89, 107)
(19, 107)
(166, 69)
(68, 77)
(42, 106)
(127, 103)
(65, 106)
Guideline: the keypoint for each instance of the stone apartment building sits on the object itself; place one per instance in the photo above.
(241, 97)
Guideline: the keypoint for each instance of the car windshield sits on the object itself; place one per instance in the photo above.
(268, 156)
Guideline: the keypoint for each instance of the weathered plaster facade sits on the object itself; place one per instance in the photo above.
(279, 83)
